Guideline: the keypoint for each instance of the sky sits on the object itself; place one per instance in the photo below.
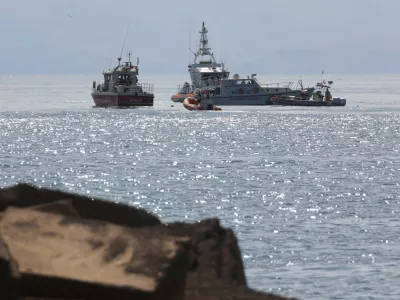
(253, 36)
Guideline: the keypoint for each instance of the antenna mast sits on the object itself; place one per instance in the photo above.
(203, 48)
(123, 45)
(189, 48)
(109, 54)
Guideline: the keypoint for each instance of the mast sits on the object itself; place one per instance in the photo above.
(203, 49)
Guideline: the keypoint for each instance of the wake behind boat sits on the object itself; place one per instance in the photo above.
(122, 89)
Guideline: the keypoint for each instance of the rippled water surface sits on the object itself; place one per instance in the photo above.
(313, 193)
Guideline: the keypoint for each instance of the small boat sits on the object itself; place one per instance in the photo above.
(122, 89)
(320, 97)
(199, 102)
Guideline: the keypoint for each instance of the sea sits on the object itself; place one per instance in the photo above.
(313, 193)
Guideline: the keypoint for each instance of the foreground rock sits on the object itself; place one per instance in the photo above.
(219, 290)
(214, 253)
(8, 272)
(26, 195)
(57, 245)
(63, 256)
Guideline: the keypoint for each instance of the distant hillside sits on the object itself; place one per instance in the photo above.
(314, 61)
(42, 60)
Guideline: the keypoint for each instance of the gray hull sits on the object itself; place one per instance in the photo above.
(251, 99)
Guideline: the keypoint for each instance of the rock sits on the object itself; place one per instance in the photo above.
(67, 257)
(63, 207)
(9, 276)
(216, 270)
(218, 290)
(214, 255)
(25, 195)
(56, 245)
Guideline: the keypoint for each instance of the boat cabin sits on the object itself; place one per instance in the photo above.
(322, 91)
(237, 86)
(124, 74)
(206, 72)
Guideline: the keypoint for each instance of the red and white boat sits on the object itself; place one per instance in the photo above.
(122, 89)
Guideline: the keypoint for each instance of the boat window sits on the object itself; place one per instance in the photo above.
(276, 89)
(206, 75)
(124, 79)
(240, 82)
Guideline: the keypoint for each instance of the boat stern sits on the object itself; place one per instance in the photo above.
(338, 102)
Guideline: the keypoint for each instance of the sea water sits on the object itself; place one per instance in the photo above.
(312, 193)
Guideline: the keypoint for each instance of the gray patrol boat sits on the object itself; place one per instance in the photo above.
(212, 78)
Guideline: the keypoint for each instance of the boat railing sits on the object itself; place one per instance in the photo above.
(211, 82)
(182, 88)
(278, 84)
(147, 87)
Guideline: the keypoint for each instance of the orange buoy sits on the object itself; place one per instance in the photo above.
(191, 103)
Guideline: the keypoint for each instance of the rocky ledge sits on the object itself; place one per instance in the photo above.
(59, 245)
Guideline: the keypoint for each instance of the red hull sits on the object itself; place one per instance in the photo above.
(122, 100)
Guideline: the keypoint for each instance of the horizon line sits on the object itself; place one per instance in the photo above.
(186, 74)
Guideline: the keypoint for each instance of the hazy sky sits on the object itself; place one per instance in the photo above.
(262, 36)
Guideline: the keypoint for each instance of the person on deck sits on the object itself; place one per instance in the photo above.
(328, 95)
(197, 94)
